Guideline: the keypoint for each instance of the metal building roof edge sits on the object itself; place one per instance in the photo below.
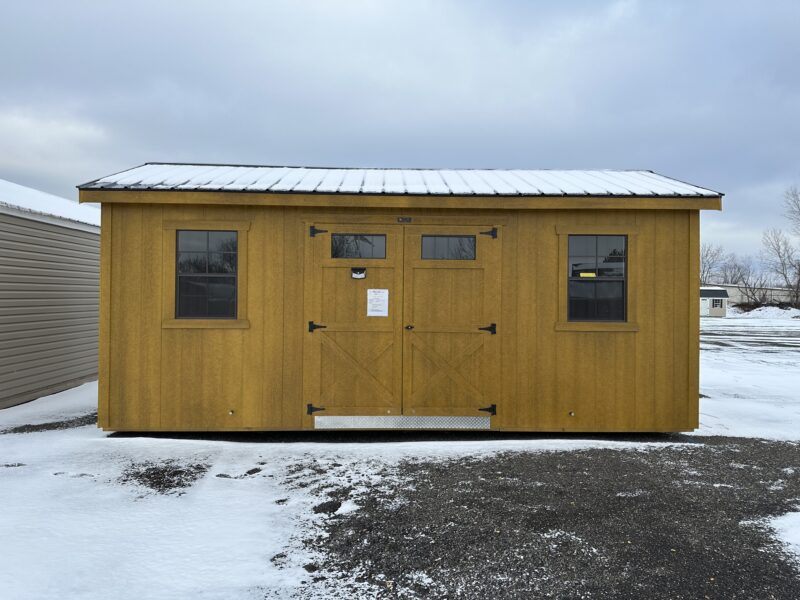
(107, 182)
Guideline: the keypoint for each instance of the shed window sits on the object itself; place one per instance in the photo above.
(358, 245)
(716, 303)
(448, 247)
(206, 274)
(597, 274)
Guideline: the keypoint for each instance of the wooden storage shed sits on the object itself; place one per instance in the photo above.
(263, 298)
(49, 290)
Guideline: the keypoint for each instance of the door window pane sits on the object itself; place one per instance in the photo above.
(448, 247)
(358, 245)
(206, 275)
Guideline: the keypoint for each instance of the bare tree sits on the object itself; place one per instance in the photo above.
(791, 202)
(751, 280)
(730, 270)
(782, 259)
(711, 258)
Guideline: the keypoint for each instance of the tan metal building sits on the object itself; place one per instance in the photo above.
(286, 298)
(49, 293)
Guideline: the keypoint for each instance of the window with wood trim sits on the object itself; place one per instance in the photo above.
(206, 267)
(597, 278)
(716, 303)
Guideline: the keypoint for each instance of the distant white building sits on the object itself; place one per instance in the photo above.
(713, 301)
(766, 295)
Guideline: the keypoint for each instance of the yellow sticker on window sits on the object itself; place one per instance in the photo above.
(588, 275)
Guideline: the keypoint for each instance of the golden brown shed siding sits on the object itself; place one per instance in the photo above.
(166, 378)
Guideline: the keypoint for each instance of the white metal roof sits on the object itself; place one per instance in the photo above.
(30, 203)
(458, 182)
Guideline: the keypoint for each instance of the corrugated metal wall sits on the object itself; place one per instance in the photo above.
(49, 294)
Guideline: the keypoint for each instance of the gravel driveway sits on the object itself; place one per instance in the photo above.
(679, 521)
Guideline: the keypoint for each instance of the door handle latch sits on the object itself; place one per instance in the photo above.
(409, 327)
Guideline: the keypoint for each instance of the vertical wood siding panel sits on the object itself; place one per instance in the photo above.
(150, 303)
(544, 271)
(253, 372)
(682, 296)
(127, 411)
(274, 323)
(693, 326)
(644, 267)
(291, 406)
(104, 357)
(514, 410)
(664, 328)
(523, 413)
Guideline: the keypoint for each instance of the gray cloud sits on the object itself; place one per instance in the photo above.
(705, 92)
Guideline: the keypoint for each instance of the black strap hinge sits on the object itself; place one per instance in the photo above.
(490, 328)
(311, 409)
(491, 409)
(312, 231)
(491, 233)
(312, 326)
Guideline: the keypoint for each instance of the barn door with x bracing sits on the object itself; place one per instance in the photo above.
(352, 353)
(451, 289)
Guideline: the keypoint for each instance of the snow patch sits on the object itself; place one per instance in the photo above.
(787, 528)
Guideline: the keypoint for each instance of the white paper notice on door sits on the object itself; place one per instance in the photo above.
(377, 303)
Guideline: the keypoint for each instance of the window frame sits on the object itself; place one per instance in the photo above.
(714, 302)
(170, 320)
(630, 323)
(207, 274)
(599, 278)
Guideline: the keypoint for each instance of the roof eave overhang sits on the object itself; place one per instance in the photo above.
(334, 200)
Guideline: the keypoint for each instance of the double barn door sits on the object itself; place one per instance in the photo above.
(401, 320)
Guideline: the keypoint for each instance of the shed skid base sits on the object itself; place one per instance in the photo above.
(410, 422)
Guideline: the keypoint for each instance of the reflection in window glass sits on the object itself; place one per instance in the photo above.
(448, 247)
(358, 245)
(206, 274)
(597, 277)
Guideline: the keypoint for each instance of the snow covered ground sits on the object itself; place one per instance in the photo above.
(75, 523)
(750, 373)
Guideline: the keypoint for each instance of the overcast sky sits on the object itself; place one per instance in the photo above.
(707, 92)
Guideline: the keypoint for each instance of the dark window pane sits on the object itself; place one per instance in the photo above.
(222, 241)
(201, 292)
(611, 266)
(596, 288)
(219, 262)
(192, 307)
(192, 262)
(218, 309)
(582, 245)
(581, 300)
(221, 288)
(610, 245)
(448, 247)
(193, 241)
(192, 285)
(610, 303)
(358, 245)
(582, 264)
